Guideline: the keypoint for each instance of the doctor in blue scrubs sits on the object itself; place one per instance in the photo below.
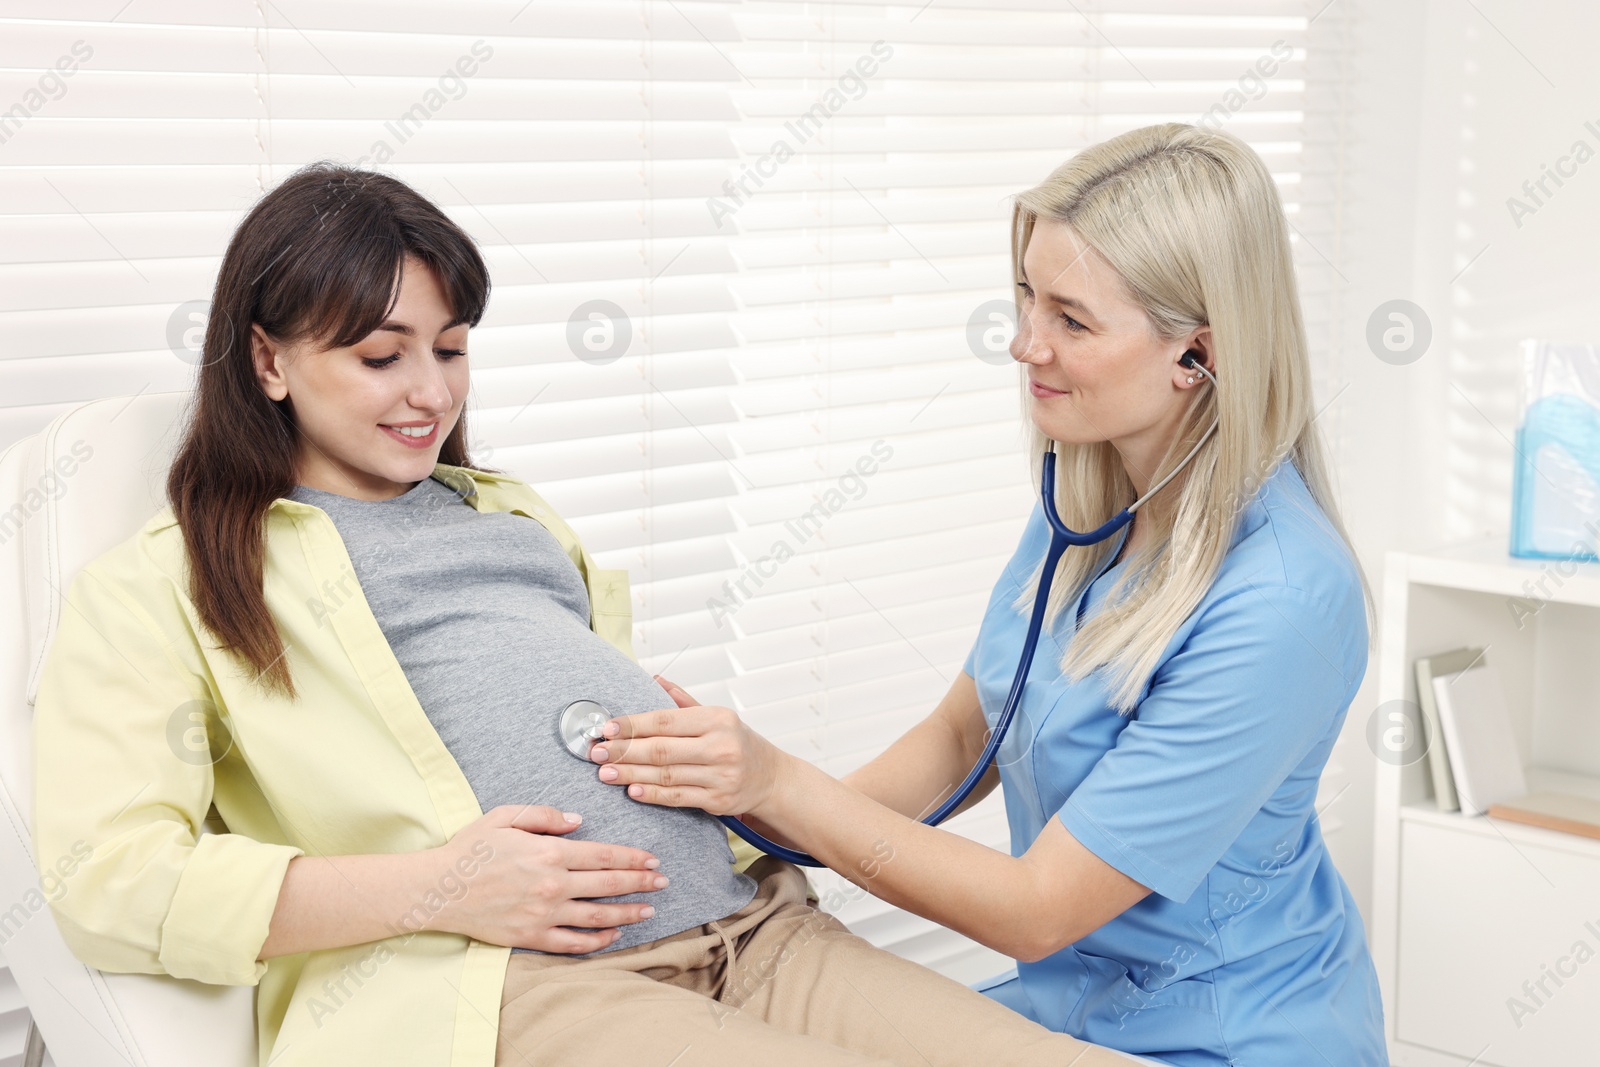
(1167, 892)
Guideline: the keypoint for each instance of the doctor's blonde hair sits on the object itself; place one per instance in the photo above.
(1191, 220)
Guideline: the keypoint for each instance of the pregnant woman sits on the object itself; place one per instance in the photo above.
(355, 645)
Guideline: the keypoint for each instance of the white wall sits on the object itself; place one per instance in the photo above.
(1454, 106)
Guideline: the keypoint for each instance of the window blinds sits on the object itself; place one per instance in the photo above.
(745, 257)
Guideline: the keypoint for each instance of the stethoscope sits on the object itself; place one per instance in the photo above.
(581, 721)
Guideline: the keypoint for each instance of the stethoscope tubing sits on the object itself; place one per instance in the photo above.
(1030, 644)
(1061, 537)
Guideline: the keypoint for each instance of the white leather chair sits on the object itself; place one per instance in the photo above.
(51, 524)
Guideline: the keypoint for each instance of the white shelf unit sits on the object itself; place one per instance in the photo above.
(1486, 933)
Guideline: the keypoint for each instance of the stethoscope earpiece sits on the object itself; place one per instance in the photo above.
(1190, 359)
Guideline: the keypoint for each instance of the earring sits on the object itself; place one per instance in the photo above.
(1191, 379)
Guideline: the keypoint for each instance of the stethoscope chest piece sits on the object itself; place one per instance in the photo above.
(580, 726)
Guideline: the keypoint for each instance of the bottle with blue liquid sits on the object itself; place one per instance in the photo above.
(1555, 510)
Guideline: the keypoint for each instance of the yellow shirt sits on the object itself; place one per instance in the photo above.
(141, 724)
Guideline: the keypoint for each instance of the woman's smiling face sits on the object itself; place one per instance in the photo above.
(354, 406)
(1097, 370)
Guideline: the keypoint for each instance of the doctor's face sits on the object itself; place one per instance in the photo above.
(372, 416)
(1096, 369)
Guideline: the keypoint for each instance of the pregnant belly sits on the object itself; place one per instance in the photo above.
(500, 718)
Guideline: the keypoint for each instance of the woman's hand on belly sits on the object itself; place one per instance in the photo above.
(691, 756)
(509, 880)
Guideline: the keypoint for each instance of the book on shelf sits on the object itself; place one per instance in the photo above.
(1427, 667)
(1553, 811)
(1473, 758)
(1477, 735)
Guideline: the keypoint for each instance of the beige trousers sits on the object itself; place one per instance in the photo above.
(776, 984)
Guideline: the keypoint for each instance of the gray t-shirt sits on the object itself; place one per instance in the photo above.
(489, 619)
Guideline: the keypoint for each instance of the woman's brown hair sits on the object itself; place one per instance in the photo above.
(317, 259)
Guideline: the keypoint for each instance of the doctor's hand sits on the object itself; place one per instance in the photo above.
(691, 756)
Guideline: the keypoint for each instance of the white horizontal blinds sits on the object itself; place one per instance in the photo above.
(575, 141)
(560, 137)
(869, 235)
(1322, 268)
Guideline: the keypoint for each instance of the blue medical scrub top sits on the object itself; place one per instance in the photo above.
(1249, 949)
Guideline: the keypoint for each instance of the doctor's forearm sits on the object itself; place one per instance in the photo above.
(916, 773)
(986, 895)
(912, 776)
